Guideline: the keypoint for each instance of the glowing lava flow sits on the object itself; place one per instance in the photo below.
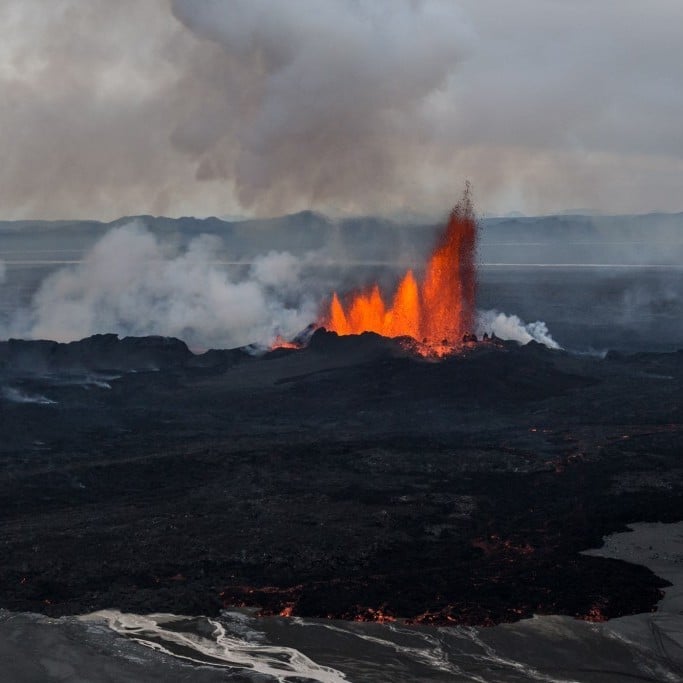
(438, 311)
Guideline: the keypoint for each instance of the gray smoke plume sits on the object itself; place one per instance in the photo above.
(323, 100)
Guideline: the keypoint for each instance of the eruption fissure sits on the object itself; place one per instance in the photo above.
(437, 311)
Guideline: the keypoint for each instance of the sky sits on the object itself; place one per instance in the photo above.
(266, 107)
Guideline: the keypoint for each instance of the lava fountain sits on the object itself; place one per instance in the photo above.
(437, 311)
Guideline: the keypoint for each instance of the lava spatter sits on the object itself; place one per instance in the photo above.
(438, 310)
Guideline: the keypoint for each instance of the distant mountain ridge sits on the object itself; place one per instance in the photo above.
(654, 238)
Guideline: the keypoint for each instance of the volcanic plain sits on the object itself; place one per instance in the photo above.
(349, 479)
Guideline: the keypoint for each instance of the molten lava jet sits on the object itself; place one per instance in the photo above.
(437, 311)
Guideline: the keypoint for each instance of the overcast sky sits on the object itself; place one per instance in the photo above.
(200, 107)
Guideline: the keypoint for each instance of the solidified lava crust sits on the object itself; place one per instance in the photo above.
(346, 480)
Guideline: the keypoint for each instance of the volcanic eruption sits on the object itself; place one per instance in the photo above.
(438, 310)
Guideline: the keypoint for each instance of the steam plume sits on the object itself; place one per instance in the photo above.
(17, 396)
(131, 283)
(512, 328)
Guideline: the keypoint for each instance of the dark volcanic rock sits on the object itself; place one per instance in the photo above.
(100, 352)
(348, 479)
(219, 359)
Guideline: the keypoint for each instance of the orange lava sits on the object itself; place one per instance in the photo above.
(438, 310)
(377, 616)
(282, 343)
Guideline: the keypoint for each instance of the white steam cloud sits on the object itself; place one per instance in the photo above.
(131, 283)
(512, 328)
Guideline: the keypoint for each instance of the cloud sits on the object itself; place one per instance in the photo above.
(223, 106)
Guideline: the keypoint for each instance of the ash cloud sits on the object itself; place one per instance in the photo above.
(132, 283)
